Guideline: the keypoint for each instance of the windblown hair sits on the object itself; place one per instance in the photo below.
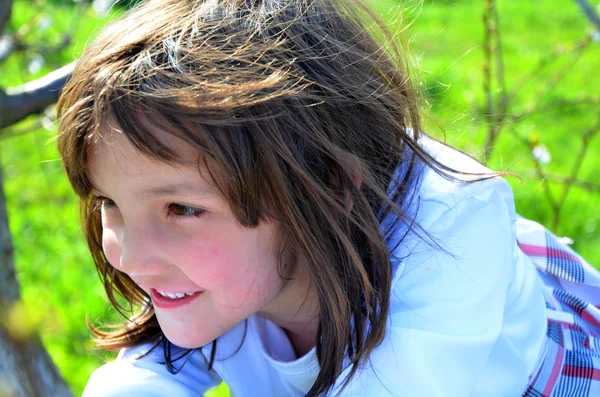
(289, 103)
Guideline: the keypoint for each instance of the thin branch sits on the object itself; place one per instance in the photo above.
(557, 104)
(503, 102)
(9, 132)
(545, 62)
(502, 106)
(33, 97)
(516, 118)
(21, 36)
(554, 82)
(541, 175)
(8, 45)
(538, 170)
(5, 12)
(562, 179)
(585, 144)
(64, 43)
(567, 181)
(487, 73)
(589, 12)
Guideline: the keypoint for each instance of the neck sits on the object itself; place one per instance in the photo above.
(296, 311)
(303, 339)
(300, 328)
(300, 322)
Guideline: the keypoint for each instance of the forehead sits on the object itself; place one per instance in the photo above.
(149, 135)
(111, 155)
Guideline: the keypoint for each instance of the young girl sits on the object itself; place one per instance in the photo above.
(256, 186)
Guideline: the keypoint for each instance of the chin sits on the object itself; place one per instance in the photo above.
(184, 341)
(185, 345)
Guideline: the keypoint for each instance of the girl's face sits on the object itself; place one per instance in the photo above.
(173, 234)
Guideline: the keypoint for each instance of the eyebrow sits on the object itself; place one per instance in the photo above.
(172, 189)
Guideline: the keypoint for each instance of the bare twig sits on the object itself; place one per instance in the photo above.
(545, 62)
(64, 43)
(561, 103)
(516, 118)
(589, 12)
(38, 47)
(541, 175)
(562, 179)
(33, 97)
(585, 144)
(487, 72)
(585, 42)
(10, 132)
(496, 108)
(537, 167)
(556, 204)
(500, 114)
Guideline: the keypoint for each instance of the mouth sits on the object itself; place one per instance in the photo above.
(170, 300)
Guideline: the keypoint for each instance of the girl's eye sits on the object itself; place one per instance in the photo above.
(104, 203)
(184, 210)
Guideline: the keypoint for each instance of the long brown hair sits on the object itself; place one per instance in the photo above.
(289, 103)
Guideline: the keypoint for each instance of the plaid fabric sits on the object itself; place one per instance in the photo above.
(571, 362)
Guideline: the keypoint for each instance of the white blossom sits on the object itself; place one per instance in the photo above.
(566, 240)
(36, 63)
(101, 7)
(541, 154)
(45, 22)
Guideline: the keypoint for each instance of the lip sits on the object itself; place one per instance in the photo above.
(164, 303)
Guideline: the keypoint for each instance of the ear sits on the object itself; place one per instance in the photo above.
(357, 174)
(356, 168)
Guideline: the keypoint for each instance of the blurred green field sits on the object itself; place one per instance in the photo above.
(445, 45)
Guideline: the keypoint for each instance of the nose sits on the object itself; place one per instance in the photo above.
(134, 250)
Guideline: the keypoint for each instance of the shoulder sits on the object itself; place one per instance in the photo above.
(463, 249)
(441, 204)
(437, 194)
(141, 371)
(449, 291)
(443, 207)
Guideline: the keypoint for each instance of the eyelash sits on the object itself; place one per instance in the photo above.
(101, 202)
(173, 209)
(188, 211)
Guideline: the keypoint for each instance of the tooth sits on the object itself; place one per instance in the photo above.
(175, 295)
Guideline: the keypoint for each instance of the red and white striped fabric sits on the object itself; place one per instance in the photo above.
(571, 363)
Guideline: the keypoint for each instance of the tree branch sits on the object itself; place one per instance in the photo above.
(32, 98)
(585, 145)
(488, 34)
(5, 11)
(589, 12)
(499, 118)
(29, 368)
(546, 62)
(562, 179)
(25, 363)
(8, 45)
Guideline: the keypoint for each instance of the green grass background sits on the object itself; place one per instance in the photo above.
(444, 40)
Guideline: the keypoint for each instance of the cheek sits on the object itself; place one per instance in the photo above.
(220, 262)
(111, 247)
(238, 260)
